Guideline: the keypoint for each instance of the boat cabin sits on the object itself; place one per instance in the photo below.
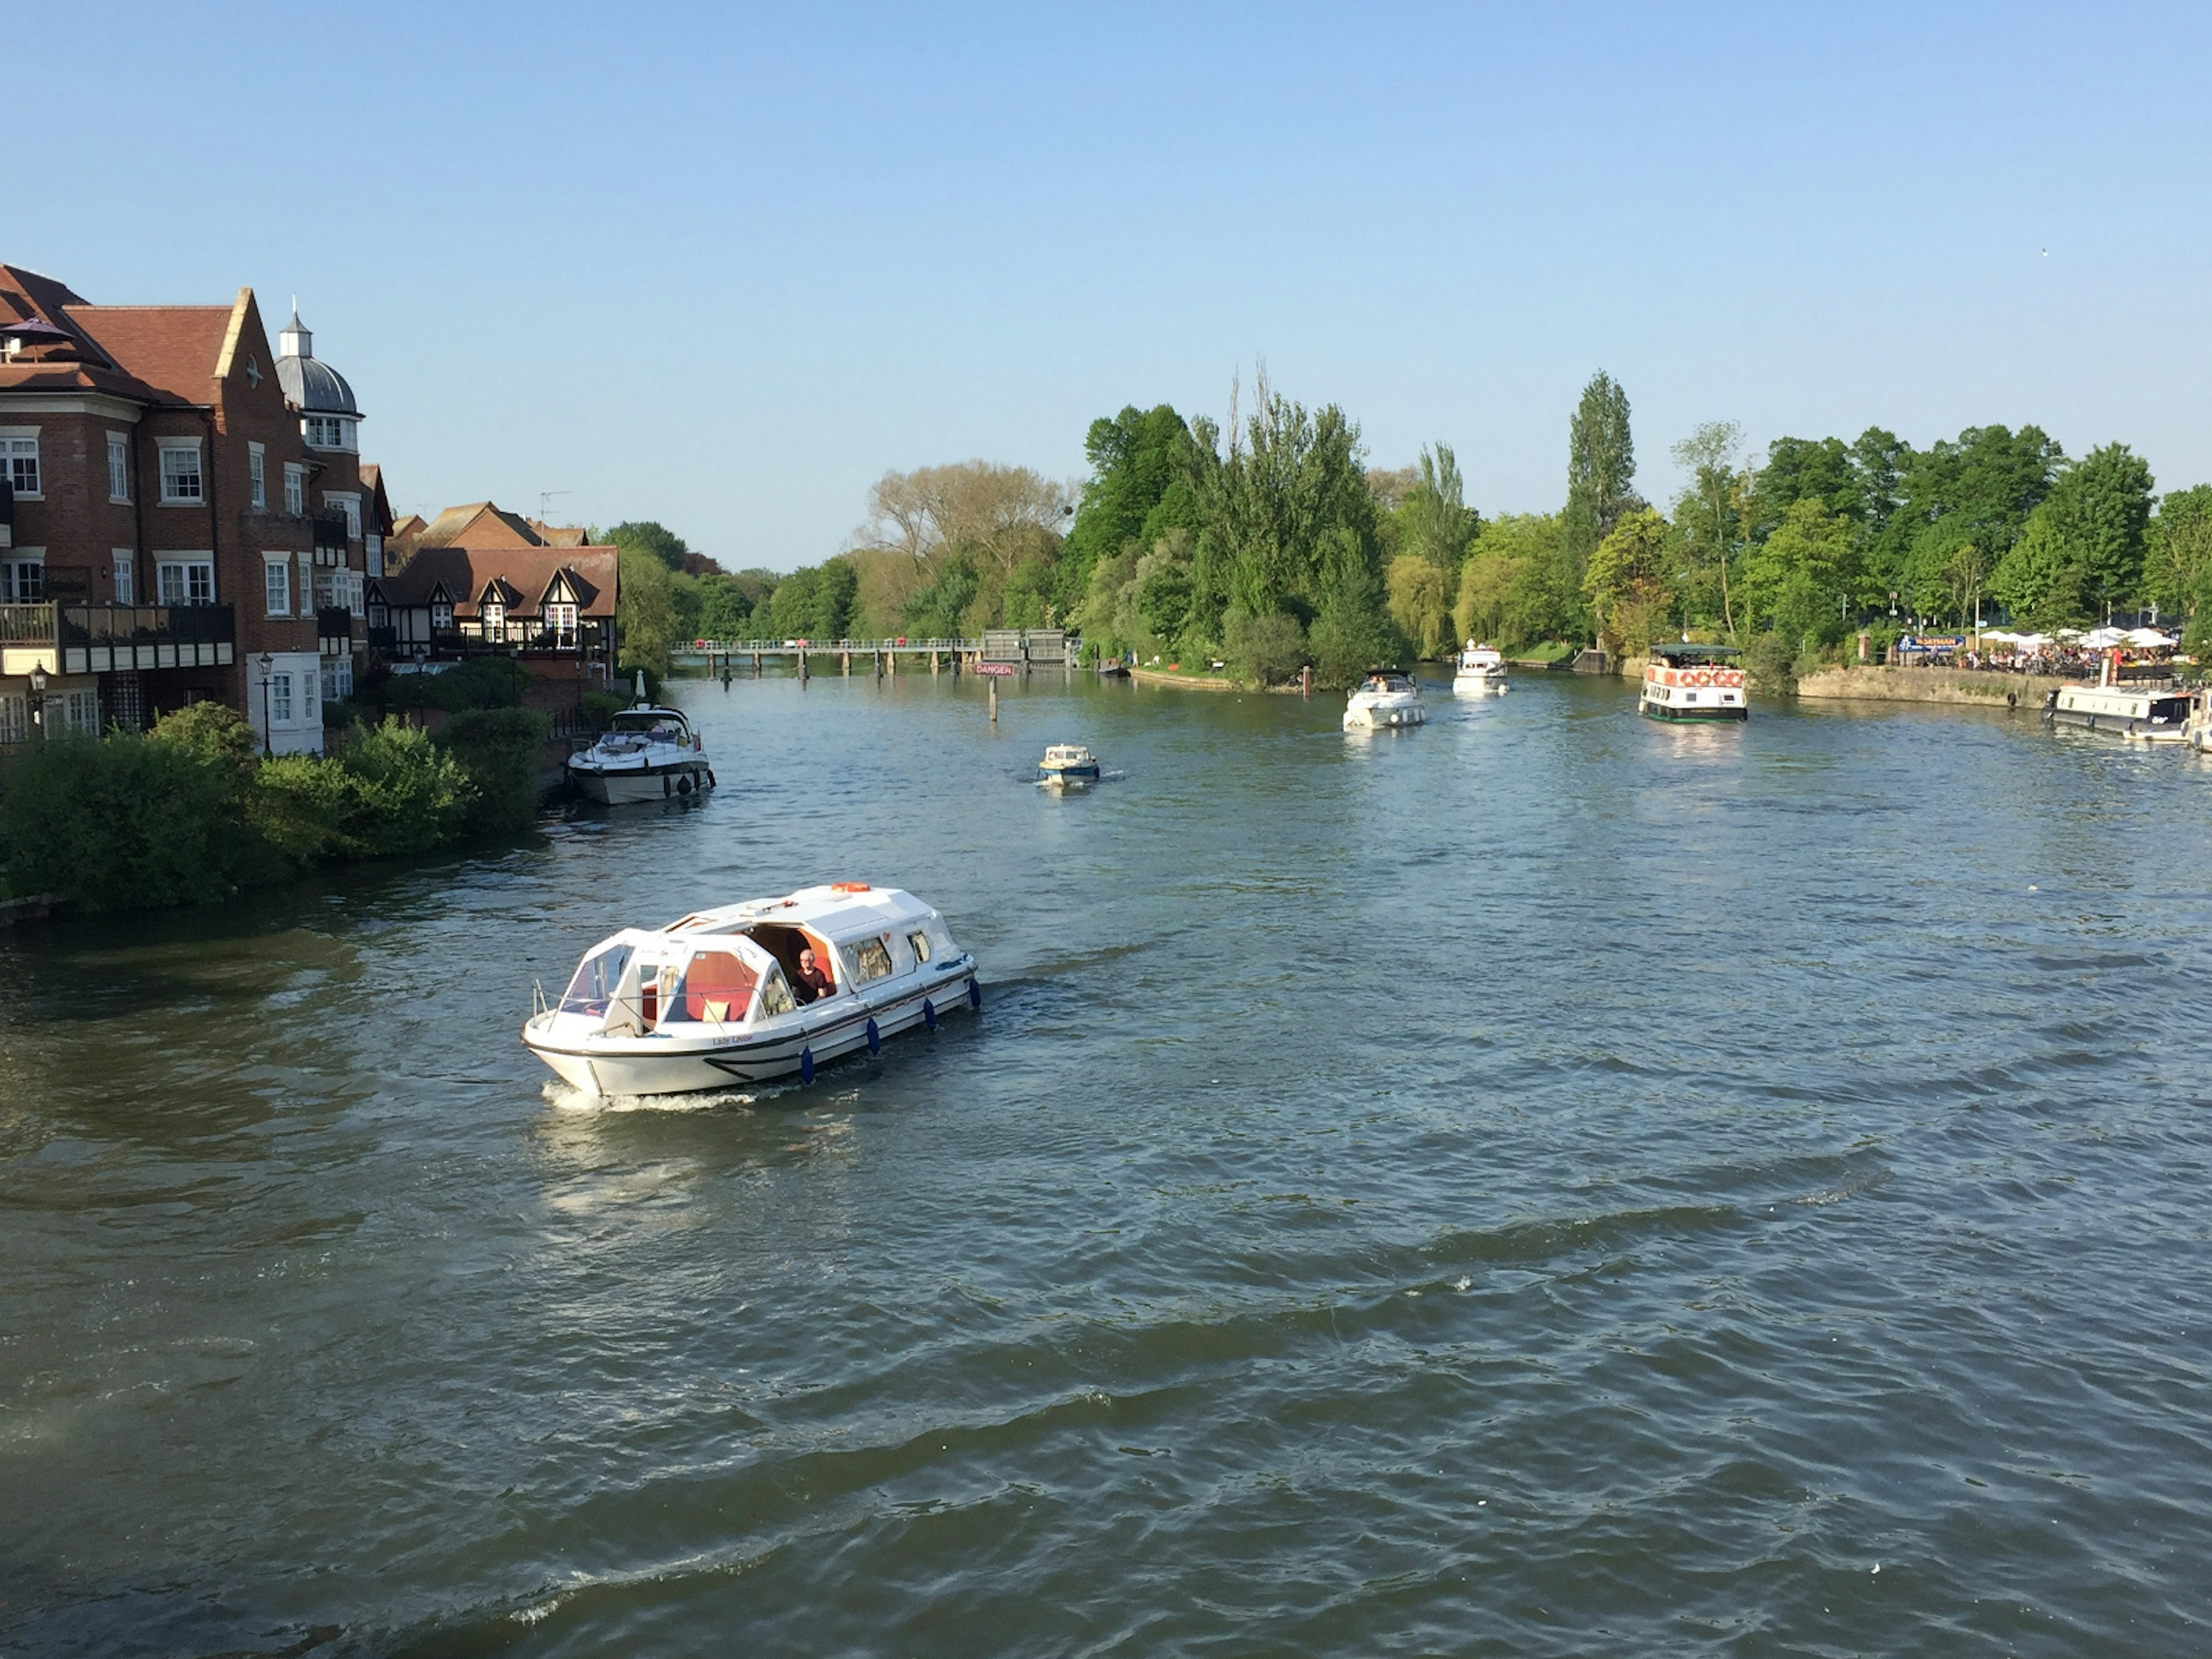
(739, 965)
(1386, 679)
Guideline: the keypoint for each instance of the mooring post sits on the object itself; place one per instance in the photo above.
(802, 665)
(1305, 681)
(932, 662)
(994, 685)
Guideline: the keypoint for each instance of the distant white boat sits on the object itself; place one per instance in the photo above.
(1698, 683)
(1479, 669)
(719, 997)
(1386, 697)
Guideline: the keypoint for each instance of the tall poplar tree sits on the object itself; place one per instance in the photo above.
(1600, 466)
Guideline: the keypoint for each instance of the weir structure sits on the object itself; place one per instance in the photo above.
(1025, 648)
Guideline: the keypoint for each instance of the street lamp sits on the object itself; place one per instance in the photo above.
(268, 748)
(38, 697)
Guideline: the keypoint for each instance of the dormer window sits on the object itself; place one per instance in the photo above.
(494, 619)
(442, 616)
(326, 432)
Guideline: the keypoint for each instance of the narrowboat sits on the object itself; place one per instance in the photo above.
(752, 993)
(1693, 682)
(2148, 709)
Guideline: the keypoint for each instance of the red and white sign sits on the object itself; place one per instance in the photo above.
(998, 668)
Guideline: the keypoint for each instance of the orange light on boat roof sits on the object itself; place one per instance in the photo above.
(848, 887)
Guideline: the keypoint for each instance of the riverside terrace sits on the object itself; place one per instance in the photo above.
(1051, 647)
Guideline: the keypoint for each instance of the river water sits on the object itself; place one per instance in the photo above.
(1543, 1183)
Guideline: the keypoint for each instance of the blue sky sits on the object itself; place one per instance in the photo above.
(724, 266)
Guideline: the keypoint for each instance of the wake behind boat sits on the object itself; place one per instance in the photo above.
(752, 991)
(648, 753)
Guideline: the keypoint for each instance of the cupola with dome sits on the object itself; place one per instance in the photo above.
(328, 414)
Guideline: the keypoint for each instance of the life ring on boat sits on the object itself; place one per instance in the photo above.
(1698, 676)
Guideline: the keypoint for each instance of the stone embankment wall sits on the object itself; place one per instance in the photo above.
(1929, 685)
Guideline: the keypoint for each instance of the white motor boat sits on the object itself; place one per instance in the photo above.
(1068, 763)
(719, 997)
(1480, 669)
(648, 753)
(1386, 697)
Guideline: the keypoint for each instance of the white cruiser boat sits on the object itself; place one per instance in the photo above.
(1693, 682)
(1066, 762)
(648, 753)
(1386, 697)
(1479, 669)
(715, 999)
(2152, 711)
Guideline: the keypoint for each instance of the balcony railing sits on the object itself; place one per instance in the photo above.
(333, 622)
(102, 639)
(330, 534)
(586, 639)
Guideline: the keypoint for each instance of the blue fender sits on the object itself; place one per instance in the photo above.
(806, 1064)
(875, 1039)
(975, 994)
(929, 1013)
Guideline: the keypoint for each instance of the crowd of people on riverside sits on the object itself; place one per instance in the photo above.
(2070, 653)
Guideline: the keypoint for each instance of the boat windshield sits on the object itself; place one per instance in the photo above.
(597, 976)
(660, 721)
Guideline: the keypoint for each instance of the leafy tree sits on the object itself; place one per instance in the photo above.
(1263, 650)
(1137, 491)
(1626, 581)
(1486, 582)
(725, 610)
(2178, 568)
(1419, 599)
(1600, 468)
(1798, 578)
(1990, 480)
(657, 610)
(1705, 512)
(2083, 553)
(501, 751)
(1432, 519)
(648, 537)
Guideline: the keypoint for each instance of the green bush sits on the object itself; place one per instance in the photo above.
(600, 708)
(124, 824)
(1771, 661)
(479, 683)
(390, 791)
(214, 734)
(1263, 650)
(501, 750)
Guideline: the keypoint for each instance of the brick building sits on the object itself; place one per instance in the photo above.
(184, 512)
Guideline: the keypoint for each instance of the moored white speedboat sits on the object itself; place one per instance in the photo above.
(648, 753)
(712, 999)
(1480, 669)
(1386, 697)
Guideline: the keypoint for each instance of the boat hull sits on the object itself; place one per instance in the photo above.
(1054, 773)
(1478, 685)
(627, 787)
(674, 1065)
(2120, 724)
(1383, 716)
(1704, 714)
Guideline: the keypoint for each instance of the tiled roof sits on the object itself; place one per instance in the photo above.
(173, 348)
(27, 294)
(465, 572)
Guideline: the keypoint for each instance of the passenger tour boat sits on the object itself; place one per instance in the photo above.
(725, 997)
(648, 753)
(2151, 710)
(1693, 682)
(1386, 697)
(1480, 669)
(1067, 762)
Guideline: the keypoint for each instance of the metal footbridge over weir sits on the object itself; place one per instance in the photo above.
(1023, 648)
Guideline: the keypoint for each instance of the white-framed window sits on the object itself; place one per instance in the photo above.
(23, 576)
(309, 714)
(18, 455)
(561, 619)
(337, 679)
(14, 718)
(494, 615)
(276, 583)
(257, 477)
(79, 711)
(346, 506)
(441, 619)
(295, 489)
(375, 546)
(126, 577)
(181, 474)
(306, 589)
(280, 699)
(327, 432)
(187, 578)
(119, 467)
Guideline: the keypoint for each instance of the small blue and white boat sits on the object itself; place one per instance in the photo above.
(1068, 762)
